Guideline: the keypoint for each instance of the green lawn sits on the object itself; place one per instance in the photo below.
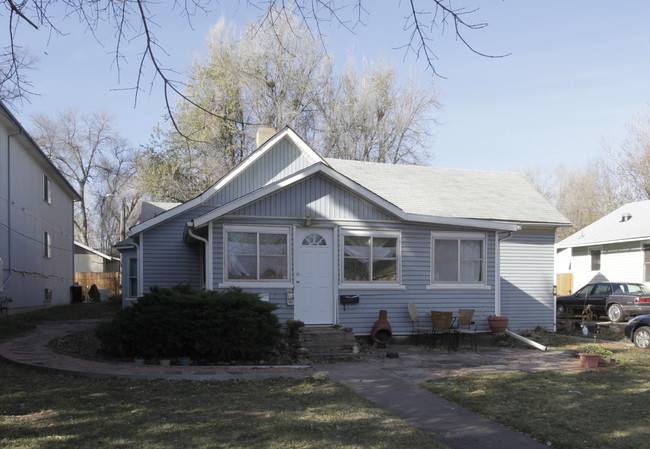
(607, 408)
(43, 410)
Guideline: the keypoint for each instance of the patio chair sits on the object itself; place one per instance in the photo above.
(472, 332)
(442, 327)
(465, 317)
(417, 328)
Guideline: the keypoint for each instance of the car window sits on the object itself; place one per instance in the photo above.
(603, 289)
(584, 291)
(637, 288)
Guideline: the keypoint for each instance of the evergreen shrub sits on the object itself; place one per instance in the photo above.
(178, 322)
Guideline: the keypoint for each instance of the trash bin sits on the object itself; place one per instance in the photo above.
(76, 294)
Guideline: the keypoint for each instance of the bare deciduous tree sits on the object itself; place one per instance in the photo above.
(373, 117)
(81, 146)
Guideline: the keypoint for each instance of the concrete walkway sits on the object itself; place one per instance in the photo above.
(391, 383)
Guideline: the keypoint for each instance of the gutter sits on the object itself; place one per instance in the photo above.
(207, 256)
(532, 343)
(497, 281)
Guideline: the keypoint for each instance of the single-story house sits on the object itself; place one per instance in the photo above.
(613, 248)
(303, 231)
(89, 260)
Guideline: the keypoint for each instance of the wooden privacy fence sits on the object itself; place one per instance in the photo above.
(564, 284)
(108, 281)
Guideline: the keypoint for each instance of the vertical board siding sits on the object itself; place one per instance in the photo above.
(527, 279)
(283, 160)
(315, 197)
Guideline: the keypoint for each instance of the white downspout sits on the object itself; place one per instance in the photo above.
(207, 254)
(497, 281)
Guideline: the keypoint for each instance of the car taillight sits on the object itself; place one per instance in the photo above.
(642, 300)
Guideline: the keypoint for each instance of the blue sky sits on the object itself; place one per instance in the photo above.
(577, 73)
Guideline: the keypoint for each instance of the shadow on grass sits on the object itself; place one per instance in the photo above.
(56, 411)
(606, 408)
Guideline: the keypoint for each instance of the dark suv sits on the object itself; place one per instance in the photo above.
(616, 299)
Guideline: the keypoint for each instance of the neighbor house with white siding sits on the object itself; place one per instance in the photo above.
(615, 248)
(302, 231)
(36, 223)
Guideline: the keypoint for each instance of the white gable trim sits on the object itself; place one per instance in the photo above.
(94, 251)
(286, 132)
(355, 188)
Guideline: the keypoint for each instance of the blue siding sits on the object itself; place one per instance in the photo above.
(527, 279)
(279, 162)
(318, 198)
(167, 259)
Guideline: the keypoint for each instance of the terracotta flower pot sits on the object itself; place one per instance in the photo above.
(589, 360)
(498, 324)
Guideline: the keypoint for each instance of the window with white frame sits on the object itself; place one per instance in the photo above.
(458, 258)
(257, 253)
(133, 277)
(371, 256)
(47, 245)
(47, 189)
(646, 263)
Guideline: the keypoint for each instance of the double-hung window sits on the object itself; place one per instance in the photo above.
(595, 259)
(458, 259)
(371, 257)
(133, 277)
(257, 253)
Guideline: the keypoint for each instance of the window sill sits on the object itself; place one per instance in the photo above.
(256, 284)
(458, 287)
(371, 286)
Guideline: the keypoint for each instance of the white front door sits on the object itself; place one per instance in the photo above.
(314, 275)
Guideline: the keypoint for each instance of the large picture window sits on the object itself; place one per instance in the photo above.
(371, 256)
(458, 258)
(257, 253)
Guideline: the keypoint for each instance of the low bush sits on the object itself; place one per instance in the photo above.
(178, 322)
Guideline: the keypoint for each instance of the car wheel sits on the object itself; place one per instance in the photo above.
(615, 313)
(561, 311)
(642, 337)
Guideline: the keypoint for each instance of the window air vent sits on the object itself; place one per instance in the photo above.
(626, 217)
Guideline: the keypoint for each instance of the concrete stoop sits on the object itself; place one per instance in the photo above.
(321, 344)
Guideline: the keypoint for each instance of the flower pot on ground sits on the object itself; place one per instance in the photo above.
(184, 361)
(589, 360)
(498, 324)
(602, 355)
(164, 362)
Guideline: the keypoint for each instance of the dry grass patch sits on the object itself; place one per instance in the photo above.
(605, 408)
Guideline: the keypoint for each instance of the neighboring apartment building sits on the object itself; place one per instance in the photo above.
(36, 223)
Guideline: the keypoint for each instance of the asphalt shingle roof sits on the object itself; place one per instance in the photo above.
(453, 193)
(613, 228)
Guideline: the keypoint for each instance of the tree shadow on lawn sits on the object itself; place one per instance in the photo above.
(57, 411)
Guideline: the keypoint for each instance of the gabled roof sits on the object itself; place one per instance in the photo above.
(285, 133)
(94, 251)
(37, 152)
(368, 195)
(630, 222)
(443, 192)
